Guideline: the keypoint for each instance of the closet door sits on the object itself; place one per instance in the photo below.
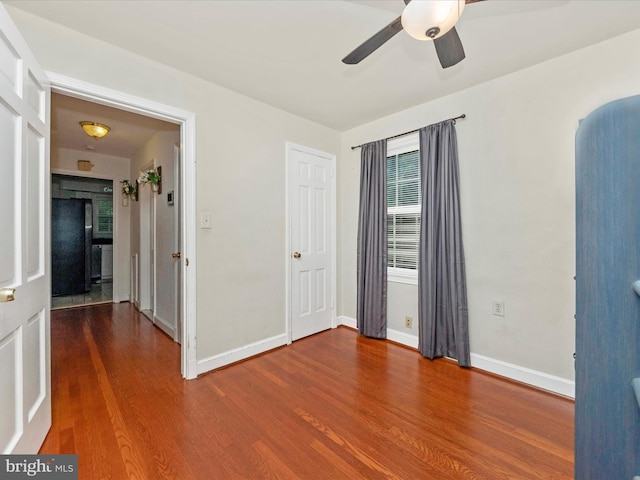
(607, 441)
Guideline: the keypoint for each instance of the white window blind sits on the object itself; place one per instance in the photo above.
(403, 207)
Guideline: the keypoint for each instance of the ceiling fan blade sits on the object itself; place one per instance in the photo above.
(449, 48)
(373, 43)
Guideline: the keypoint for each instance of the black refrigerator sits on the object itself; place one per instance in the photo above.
(71, 237)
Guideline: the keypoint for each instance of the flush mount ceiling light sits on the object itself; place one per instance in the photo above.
(93, 129)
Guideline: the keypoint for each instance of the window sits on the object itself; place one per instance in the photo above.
(103, 216)
(403, 208)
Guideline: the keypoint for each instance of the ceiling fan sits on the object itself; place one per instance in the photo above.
(424, 20)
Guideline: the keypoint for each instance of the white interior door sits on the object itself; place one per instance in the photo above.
(25, 286)
(166, 274)
(312, 224)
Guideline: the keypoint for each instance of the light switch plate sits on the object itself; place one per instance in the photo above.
(205, 220)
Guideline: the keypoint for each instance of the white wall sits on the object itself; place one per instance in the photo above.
(240, 150)
(516, 150)
(116, 169)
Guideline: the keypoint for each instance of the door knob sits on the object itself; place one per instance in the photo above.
(7, 295)
(297, 254)
(175, 255)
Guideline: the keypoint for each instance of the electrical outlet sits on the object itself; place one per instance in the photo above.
(498, 308)
(408, 322)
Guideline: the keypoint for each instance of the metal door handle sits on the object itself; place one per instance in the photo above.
(297, 254)
(7, 295)
(175, 255)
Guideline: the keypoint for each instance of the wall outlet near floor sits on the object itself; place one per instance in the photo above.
(408, 322)
(498, 308)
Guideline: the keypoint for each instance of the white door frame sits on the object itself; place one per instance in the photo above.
(187, 121)
(147, 253)
(288, 251)
(177, 221)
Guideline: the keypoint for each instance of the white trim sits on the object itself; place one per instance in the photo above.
(178, 271)
(347, 321)
(517, 373)
(211, 363)
(289, 146)
(113, 98)
(187, 121)
(133, 285)
(402, 338)
(287, 245)
(526, 375)
(163, 325)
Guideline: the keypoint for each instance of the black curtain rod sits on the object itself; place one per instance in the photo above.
(413, 131)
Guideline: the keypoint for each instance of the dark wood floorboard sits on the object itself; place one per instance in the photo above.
(331, 406)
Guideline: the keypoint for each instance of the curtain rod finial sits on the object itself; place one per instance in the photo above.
(464, 115)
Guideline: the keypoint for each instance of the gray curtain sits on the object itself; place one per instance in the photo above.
(442, 308)
(372, 241)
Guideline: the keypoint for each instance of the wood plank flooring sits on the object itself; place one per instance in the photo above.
(331, 406)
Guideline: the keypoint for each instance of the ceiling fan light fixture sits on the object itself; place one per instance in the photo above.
(430, 19)
(94, 129)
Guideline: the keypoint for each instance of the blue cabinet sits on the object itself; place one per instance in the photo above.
(607, 431)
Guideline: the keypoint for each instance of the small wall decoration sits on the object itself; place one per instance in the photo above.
(153, 177)
(128, 191)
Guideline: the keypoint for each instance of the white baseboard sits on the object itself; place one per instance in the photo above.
(526, 375)
(402, 338)
(511, 371)
(347, 321)
(242, 353)
(165, 326)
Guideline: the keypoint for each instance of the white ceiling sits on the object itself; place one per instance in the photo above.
(129, 131)
(288, 53)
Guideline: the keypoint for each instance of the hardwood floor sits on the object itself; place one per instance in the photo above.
(331, 406)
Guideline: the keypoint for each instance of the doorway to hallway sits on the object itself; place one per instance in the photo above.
(185, 188)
